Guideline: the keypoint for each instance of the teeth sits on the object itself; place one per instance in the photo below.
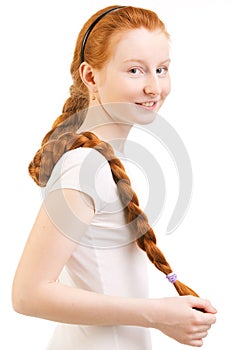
(148, 104)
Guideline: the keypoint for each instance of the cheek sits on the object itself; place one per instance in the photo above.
(122, 92)
(166, 88)
(114, 91)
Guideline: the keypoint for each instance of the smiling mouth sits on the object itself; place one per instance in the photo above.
(148, 104)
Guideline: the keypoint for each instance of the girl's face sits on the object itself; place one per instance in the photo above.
(134, 83)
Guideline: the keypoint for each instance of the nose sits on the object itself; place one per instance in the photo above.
(152, 85)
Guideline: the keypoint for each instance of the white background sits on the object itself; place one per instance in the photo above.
(37, 42)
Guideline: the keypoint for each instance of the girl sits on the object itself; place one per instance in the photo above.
(83, 265)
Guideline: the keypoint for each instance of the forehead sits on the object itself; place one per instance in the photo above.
(140, 44)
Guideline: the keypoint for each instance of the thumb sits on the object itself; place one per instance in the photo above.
(203, 305)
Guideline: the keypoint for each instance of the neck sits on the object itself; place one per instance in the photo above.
(99, 121)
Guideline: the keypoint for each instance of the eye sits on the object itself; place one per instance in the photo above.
(135, 71)
(162, 71)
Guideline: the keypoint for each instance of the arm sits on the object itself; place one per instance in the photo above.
(36, 291)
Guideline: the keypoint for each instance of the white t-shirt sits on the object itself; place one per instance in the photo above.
(107, 259)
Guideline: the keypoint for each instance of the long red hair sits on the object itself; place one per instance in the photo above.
(63, 135)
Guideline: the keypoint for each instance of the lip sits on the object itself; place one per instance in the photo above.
(149, 108)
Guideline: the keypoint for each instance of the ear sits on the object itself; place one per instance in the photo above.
(87, 75)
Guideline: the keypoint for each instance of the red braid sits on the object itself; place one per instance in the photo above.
(42, 165)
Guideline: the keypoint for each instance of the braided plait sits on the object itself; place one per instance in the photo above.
(48, 155)
(52, 151)
(72, 117)
(138, 219)
(73, 114)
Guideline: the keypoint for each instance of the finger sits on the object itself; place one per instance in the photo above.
(204, 328)
(204, 320)
(201, 328)
(208, 319)
(200, 335)
(196, 342)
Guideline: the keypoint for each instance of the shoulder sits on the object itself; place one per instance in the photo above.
(78, 161)
(82, 169)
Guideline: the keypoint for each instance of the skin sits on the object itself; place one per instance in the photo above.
(133, 75)
(126, 82)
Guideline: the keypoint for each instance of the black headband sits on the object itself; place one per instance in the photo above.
(92, 26)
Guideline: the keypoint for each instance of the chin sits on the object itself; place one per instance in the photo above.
(147, 120)
(144, 117)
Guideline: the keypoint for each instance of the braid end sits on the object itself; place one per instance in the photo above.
(182, 289)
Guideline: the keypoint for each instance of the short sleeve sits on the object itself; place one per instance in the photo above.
(85, 170)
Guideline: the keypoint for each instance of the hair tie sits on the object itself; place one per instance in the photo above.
(92, 26)
(172, 277)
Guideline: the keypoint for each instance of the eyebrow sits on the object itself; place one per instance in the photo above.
(168, 60)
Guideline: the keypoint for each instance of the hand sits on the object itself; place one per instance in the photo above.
(178, 319)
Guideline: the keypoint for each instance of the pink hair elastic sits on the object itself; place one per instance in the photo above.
(172, 277)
